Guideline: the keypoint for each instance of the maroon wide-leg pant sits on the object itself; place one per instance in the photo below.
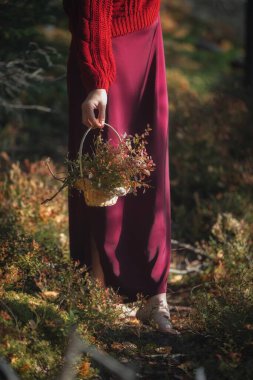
(133, 236)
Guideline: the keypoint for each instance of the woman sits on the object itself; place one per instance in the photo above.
(116, 74)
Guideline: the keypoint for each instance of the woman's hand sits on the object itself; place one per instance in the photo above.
(96, 100)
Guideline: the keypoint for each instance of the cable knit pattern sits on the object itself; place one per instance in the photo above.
(93, 23)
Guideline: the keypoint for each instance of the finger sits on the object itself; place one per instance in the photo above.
(88, 117)
(91, 116)
(89, 123)
(101, 116)
(85, 120)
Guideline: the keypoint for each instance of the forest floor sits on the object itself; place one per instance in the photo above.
(210, 289)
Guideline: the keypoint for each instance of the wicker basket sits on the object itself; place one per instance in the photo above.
(94, 196)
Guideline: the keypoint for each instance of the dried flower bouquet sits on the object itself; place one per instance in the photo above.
(110, 171)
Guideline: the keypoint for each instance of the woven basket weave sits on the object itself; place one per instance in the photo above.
(94, 196)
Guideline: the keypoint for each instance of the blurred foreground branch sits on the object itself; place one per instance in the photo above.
(77, 346)
(6, 371)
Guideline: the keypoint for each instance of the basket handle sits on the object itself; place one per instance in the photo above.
(82, 142)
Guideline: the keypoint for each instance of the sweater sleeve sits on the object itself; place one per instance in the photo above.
(90, 26)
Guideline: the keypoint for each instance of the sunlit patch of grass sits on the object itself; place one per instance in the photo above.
(178, 82)
(182, 34)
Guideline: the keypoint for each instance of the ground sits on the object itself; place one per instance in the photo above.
(210, 286)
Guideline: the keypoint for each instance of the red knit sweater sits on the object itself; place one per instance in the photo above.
(93, 23)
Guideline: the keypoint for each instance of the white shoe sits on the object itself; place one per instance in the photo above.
(156, 311)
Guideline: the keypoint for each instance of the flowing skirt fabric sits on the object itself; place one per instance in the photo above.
(133, 237)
